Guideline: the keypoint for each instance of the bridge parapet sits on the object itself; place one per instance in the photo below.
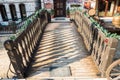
(22, 47)
(102, 45)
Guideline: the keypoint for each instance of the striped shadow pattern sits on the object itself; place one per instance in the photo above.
(59, 48)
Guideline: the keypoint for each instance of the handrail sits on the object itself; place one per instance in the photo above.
(99, 43)
(22, 48)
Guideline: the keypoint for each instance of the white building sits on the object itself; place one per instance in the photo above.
(16, 10)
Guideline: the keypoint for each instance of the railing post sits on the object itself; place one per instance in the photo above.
(9, 45)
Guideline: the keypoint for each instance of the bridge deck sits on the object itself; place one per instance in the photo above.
(62, 54)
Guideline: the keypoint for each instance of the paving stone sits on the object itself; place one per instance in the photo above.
(59, 64)
(60, 72)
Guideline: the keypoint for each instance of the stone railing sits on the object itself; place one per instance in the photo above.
(22, 48)
(103, 48)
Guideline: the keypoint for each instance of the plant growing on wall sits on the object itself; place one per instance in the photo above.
(68, 12)
(52, 13)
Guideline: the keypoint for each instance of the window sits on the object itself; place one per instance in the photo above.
(13, 12)
(3, 13)
(22, 11)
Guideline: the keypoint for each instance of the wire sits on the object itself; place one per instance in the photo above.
(9, 69)
(12, 71)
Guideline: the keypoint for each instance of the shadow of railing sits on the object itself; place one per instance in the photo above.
(22, 47)
(55, 54)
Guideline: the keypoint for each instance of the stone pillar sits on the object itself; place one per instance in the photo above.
(17, 10)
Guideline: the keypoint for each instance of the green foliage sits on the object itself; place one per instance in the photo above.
(107, 34)
(117, 14)
(12, 38)
(52, 12)
(72, 10)
(26, 23)
(68, 11)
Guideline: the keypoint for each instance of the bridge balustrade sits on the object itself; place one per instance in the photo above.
(101, 47)
(21, 50)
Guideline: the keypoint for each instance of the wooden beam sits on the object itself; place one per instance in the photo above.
(114, 8)
(96, 8)
(106, 8)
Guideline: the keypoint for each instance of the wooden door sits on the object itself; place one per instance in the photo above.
(60, 8)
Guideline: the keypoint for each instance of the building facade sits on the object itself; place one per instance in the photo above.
(16, 10)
